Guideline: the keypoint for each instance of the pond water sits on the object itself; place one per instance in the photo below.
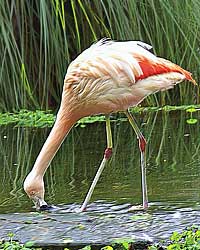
(173, 177)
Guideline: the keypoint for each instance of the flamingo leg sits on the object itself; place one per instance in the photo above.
(142, 145)
(107, 155)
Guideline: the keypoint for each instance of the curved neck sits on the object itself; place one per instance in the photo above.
(58, 133)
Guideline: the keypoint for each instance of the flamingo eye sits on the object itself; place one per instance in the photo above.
(32, 192)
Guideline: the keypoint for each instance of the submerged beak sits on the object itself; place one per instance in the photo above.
(40, 204)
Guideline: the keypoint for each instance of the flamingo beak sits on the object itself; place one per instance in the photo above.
(40, 204)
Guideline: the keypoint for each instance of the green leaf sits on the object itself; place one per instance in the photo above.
(191, 110)
(29, 244)
(107, 248)
(81, 227)
(140, 217)
(125, 242)
(175, 237)
(192, 121)
(86, 248)
(11, 235)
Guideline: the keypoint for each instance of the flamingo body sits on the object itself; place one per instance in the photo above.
(107, 77)
(113, 76)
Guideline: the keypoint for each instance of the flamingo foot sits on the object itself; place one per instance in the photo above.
(143, 207)
(136, 208)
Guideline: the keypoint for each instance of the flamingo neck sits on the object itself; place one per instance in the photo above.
(57, 135)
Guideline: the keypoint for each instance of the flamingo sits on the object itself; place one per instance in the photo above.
(109, 76)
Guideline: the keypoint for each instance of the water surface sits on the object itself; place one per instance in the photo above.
(173, 159)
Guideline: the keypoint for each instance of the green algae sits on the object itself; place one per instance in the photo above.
(41, 119)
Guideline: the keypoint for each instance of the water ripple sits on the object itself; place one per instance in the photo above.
(101, 223)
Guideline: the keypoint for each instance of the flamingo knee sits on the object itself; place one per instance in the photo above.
(142, 143)
(108, 153)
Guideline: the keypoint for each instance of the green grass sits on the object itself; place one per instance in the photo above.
(40, 38)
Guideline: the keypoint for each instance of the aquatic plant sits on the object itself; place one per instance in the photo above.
(191, 120)
(40, 38)
(26, 118)
(189, 239)
(11, 244)
(41, 119)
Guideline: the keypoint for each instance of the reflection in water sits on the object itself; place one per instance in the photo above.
(172, 161)
(173, 158)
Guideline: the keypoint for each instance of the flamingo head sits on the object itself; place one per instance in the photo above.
(34, 187)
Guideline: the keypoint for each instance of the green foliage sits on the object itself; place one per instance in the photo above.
(191, 120)
(40, 38)
(107, 248)
(26, 118)
(15, 245)
(39, 118)
(189, 239)
(122, 244)
(86, 248)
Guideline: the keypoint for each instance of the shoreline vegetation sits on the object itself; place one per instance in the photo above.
(187, 239)
(41, 119)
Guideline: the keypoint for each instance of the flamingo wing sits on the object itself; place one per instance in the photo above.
(120, 60)
(111, 76)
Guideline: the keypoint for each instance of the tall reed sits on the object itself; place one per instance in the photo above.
(39, 39)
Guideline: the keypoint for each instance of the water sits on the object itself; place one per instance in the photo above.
(173, 159)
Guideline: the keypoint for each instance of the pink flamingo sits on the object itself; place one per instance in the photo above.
(107, 77)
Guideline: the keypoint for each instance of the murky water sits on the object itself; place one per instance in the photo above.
(173, 160)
